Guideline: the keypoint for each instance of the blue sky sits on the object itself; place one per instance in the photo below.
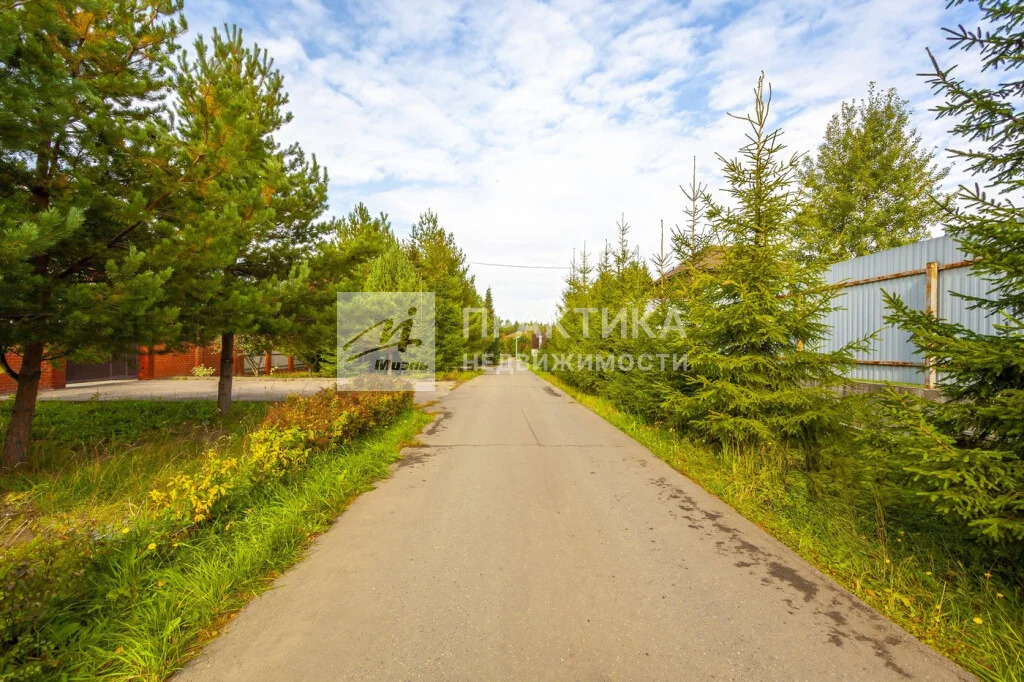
(530, 127)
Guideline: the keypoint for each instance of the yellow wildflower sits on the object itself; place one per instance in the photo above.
(977, 620)
(152, 546)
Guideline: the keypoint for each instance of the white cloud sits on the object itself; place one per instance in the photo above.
(530, 127)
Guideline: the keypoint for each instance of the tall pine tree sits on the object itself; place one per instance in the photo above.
(341, 262)
(81, 181)
(491, 338)
(246, 228)
(442, 265)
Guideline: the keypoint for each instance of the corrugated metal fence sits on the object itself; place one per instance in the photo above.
(925, 275)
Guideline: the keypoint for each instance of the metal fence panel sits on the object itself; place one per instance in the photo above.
(861, 308)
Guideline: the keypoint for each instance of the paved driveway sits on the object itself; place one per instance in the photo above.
(243, 388)
(528, 539)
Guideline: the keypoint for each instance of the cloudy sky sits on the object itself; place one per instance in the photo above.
(530, 127)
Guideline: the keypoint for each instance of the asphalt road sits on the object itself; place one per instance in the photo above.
(529, 539)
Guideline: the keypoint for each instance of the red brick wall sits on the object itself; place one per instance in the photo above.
(155, 364)
(52, 376)
(159, 364)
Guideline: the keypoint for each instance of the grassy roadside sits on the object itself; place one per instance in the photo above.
(459, 376)
(179, 606)
(137, 594)
(949, 602)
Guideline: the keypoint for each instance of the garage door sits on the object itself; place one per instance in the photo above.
(118, 367)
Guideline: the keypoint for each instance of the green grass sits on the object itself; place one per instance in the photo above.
(141, 612)
(917, 576)
(170, 607)
(99, 459)
(459, 376)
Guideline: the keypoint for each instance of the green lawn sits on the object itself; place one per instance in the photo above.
(106, 589)
(100, 459)
(944, 595)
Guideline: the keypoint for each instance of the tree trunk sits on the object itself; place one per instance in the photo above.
(20, 428)
(227, 368)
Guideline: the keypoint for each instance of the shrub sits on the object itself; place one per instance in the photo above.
(314, 416)
(290, 431)
(193, 496)
(332, 417)
(202, 371)
(273, 451)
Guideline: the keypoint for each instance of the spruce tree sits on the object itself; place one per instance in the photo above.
(750, 384)
(82, 179)
(871, 186)
(628, 293)
(967, 455)
(569, 336)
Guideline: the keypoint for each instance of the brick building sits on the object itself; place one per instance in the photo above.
(148, 363)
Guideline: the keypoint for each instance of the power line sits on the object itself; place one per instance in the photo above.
(525, 267)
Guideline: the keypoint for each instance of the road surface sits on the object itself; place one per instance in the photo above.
(529, 539)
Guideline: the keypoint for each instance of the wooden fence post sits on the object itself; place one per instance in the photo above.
(931, 307)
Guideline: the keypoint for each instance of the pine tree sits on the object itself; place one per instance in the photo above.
(967, 454)
(82, 125)
(392, 271)
(359, 239)
(442, 265)
(689, 241)
(872, 186)
(246, 226)
(492, 342)
(750, 385)
(339, 263)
